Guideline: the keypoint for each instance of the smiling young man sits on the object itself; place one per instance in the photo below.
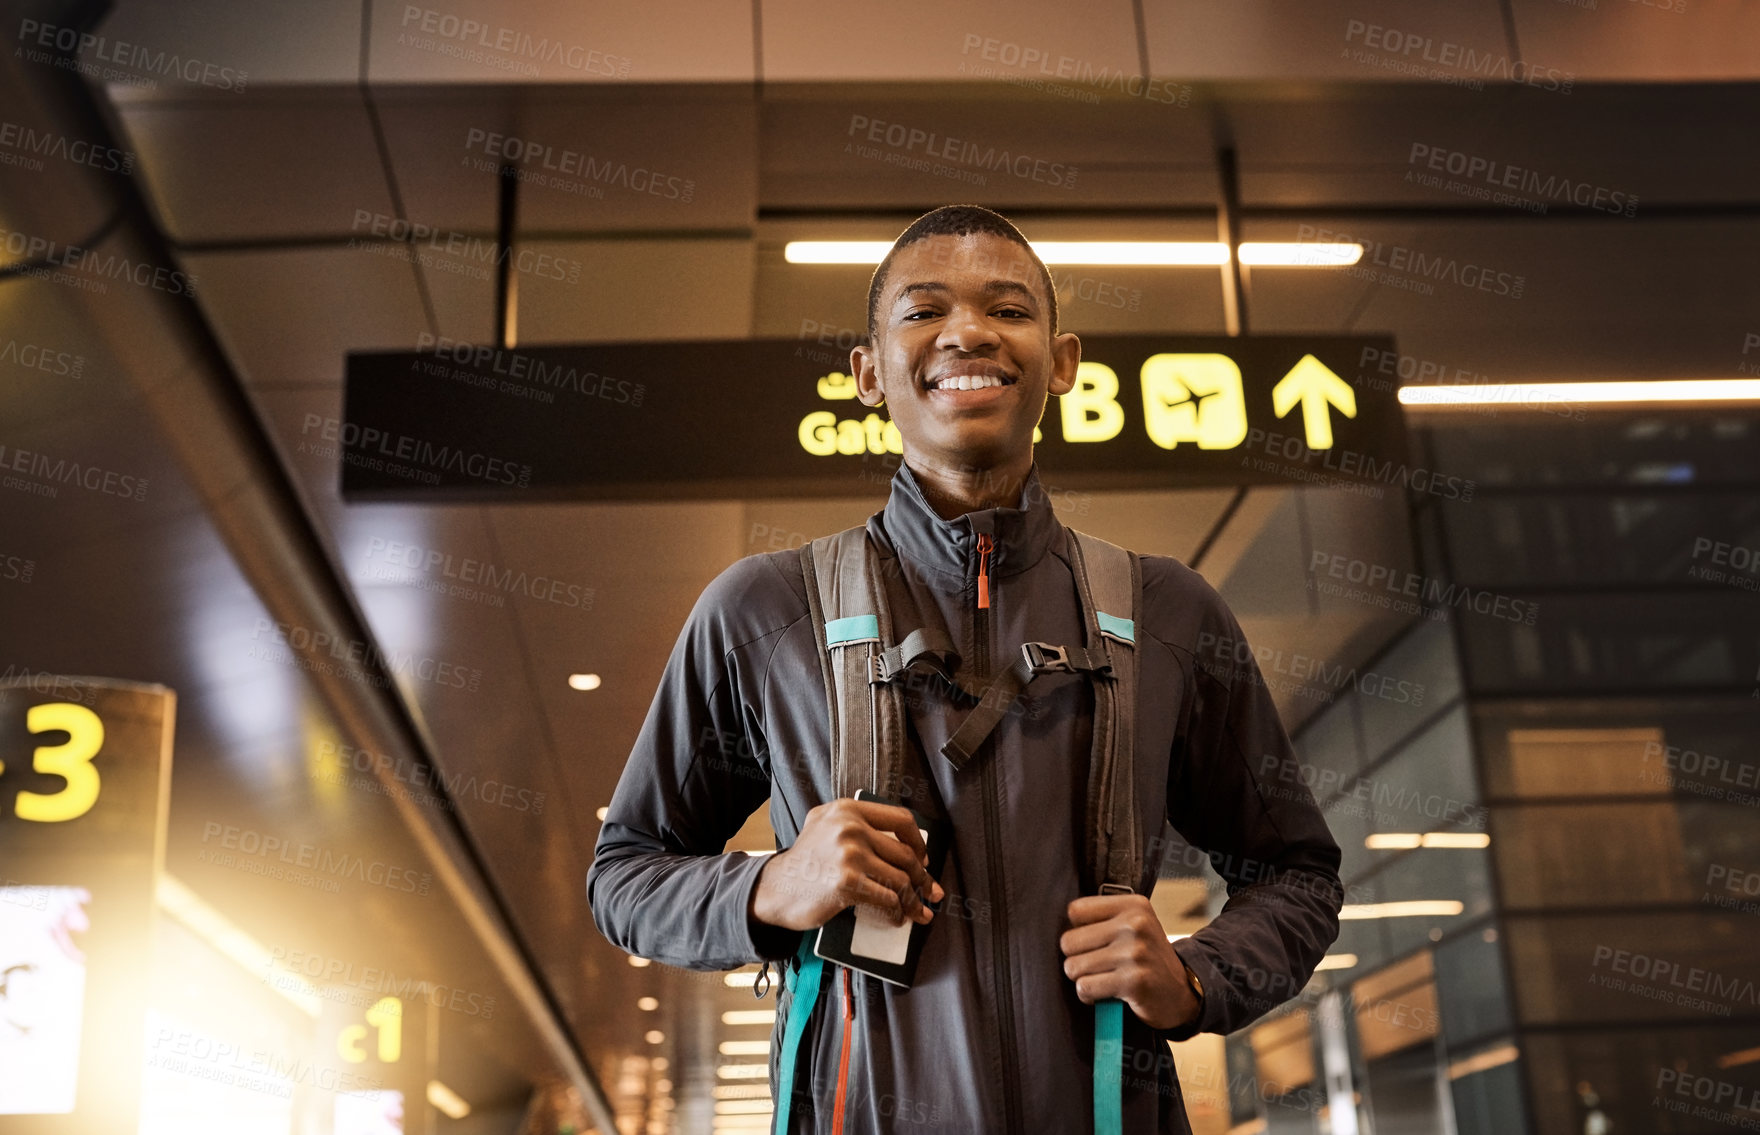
(998, 1031)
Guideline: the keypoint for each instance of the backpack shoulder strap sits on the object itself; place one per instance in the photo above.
(1109, 581)
(847, 599)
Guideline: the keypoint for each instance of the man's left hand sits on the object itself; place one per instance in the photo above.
(1117, 948)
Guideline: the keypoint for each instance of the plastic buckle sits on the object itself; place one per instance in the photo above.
(1043, 658)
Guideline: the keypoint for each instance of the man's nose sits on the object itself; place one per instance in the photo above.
(966, 329)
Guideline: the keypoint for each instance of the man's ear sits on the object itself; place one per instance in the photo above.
(1066, 356)
(867, 376)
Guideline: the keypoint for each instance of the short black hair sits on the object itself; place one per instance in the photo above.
(956, 220)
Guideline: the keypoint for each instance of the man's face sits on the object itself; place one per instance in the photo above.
(963, 353)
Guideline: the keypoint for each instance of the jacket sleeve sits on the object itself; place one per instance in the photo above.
(661, 885)
(1263, 833)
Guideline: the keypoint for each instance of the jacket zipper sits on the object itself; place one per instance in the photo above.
(849, 1017)
(1000, 969)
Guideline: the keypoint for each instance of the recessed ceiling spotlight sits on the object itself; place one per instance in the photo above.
(583, 681)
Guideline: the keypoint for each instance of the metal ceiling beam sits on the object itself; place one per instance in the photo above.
(188, 387)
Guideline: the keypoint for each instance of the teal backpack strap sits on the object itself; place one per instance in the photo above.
(1109, 582)
(805, 984)
(1108, 1067)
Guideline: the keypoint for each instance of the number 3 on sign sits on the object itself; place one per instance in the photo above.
(71, 762)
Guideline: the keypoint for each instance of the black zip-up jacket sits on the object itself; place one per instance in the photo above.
(992, 1036)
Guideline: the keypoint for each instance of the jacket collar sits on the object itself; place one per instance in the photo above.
(1019, 535)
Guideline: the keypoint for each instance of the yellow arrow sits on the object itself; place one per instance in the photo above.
(1313, 384)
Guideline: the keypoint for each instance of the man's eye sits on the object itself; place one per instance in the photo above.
(910, 315)
(1015, 312)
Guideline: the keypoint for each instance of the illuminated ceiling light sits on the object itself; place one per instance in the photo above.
(1396, 841)
(741, 979)
(601, 813)
(659, 1063)
(745, 1048)
(447, 1100)
(654, 1036)
(1299, 254)
(1144, 253)
(183, 904)
(639, 963)
(749, 1017)
(740, 1123)
(583, 681)
(1419, 908)
(1337, 961)
(1481, 1061)
(744, 1107)
(1177, 937)
(1456, 839)
(743, 1071)
(1737, 1059)
(740, 1091)
(1118, 253)
(868, 252)
(647, 1004)
(1600, 393)
(663, 1086)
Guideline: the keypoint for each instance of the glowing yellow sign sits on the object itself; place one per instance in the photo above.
(1312, 383)
(71, 761)
(386, 1015)
(1194, 398)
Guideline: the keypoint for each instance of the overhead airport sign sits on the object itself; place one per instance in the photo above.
(779, 417)
(85, 766)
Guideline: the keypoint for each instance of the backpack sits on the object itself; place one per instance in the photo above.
(862, 660)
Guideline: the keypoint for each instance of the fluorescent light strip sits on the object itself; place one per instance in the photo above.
(1593, 393)
(1737, 1059)
(740, 1091)
(447, 1100)
(1421, 908)
(741, 979)
(1298, 254)
(749, 1017)
(745, 1048)
(1337, 961)
(744, 1107)
(183, 904)
(1400, 841)
(1483, 1061)
(1117, 253)
(743, 1072)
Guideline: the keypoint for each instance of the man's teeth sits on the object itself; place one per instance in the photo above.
(968, 382)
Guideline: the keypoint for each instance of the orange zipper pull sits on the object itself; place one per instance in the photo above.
(983, 569)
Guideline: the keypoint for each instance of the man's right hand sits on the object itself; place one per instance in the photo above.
(847, 853)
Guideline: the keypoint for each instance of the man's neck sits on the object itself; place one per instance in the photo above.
(954, 490)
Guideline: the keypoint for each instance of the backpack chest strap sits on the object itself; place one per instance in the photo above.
(996, 699)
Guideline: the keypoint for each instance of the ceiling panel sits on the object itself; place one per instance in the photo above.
(277, 163)
(1626, 40)
(553, 41)
(884, 148)
(237, 46)
(1441, 146)
(660, 288)
(288, 316)
(1321, 39)
(592, 159)
(921, 40)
